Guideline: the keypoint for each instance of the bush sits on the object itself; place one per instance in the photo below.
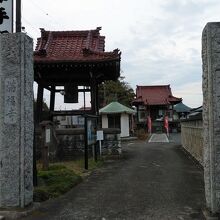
(141, 134)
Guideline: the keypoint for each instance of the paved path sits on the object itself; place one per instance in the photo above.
(158, 138)
(154, 181)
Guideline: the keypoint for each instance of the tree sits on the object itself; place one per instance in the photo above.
(118, 90)
(45, 114)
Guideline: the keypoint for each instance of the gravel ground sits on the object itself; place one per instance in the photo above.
(153, 181)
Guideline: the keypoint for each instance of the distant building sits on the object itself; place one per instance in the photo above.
(68, 121)
(71, 121)
(196, 113)
(154, 101)
(116, 115)
(181, 111)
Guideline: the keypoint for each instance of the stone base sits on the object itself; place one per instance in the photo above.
(18, 213)
(210, 216)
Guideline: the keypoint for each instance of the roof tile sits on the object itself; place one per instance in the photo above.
(155, 95)
(74, 46)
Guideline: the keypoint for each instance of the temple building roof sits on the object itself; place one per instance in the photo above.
(155, 95)
(73, 46)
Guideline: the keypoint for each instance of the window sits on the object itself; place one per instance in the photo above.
(114, 121)
(63, 118)
(161, 112)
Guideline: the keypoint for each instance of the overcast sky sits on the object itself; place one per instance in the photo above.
(160, 40)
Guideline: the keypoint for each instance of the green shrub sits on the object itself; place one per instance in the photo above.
(141, 134)
(54, 182)
(56, 167)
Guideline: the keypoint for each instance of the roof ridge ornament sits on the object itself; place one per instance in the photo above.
(99, 28)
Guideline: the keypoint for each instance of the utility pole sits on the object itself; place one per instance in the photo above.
(18, 15)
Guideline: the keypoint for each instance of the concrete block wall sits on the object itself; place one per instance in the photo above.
(70, 143)
(192, 138)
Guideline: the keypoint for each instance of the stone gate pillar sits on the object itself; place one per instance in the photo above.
(16, 120)
(211, 114)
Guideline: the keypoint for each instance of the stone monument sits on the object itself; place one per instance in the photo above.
(16, 120)
(211, 114)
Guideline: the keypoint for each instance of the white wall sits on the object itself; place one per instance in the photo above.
(124, 125)
(104, 121)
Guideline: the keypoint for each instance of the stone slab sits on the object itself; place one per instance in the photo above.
(16, 120)
(211, 114)
(158, 138)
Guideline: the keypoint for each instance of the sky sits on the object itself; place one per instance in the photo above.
(160, 40)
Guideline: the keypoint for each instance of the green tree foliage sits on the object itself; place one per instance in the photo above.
(118, 90)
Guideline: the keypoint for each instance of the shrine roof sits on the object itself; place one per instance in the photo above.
(155, 95)
(73, 46)
(115, 108)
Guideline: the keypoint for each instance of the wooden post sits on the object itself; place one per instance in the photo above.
(39, 107)
(52, 101)
(18, 15)
(86, 143)
(52, 98)
(35, 182)
(45, 143)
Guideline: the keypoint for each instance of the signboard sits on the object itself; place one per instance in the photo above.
(99, 135)
(47, 136)
(6, 16)
(91, 130)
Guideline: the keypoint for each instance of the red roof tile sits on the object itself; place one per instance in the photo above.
(155, 95)
(73, 46)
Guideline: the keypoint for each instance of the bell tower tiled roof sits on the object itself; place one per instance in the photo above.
(73, 46)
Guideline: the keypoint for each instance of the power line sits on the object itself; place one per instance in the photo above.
(55, 21)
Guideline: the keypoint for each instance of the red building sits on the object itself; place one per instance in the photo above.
(154, 101)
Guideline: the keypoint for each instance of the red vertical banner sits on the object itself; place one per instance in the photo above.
(149, 124)
(166, 124)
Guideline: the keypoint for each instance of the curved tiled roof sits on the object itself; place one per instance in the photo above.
(155, 95)
(73, 46)
(180, 107)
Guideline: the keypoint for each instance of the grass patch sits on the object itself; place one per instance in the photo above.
(61, 177)
(54, 182)
(78, 166)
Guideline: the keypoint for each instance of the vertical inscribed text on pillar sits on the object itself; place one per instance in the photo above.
(11, 102)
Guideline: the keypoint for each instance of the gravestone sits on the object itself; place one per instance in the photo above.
(211, 114)
(16, 120)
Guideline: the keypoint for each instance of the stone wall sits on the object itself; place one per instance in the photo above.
(192, 138)
(69, 143)
(111, 142)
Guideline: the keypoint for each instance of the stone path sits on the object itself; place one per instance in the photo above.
(153, 181)
(158, 138)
